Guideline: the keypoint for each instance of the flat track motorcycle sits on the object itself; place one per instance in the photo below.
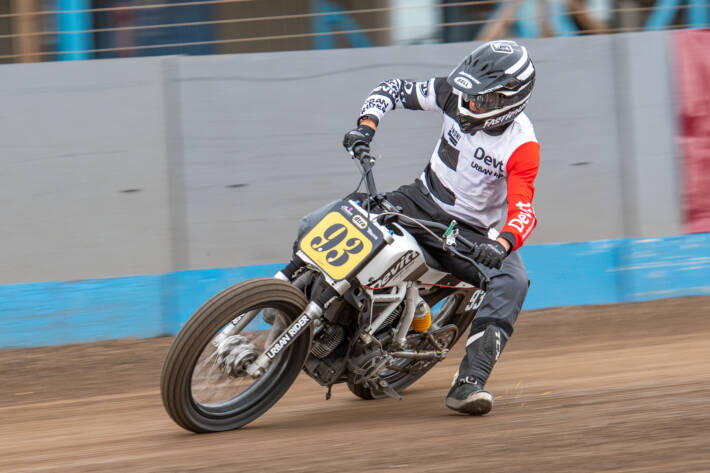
(360, 303)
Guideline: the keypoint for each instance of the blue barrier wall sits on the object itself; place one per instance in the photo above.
(621, 270)
(597, 272)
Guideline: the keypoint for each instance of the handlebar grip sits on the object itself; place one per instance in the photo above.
(361, 150)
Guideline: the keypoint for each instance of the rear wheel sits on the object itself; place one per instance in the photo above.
(204, 384)
(447, 317)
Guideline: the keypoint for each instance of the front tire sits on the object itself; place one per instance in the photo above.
(192, 351)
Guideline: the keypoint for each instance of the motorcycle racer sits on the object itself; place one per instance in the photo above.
(487, 158)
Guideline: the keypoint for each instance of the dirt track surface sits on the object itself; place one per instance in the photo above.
(621, 388)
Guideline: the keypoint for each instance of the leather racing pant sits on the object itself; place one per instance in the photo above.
(505, 293)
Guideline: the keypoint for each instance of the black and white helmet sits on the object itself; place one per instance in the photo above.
(498, 77)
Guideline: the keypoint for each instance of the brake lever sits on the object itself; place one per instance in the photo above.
(449, 246)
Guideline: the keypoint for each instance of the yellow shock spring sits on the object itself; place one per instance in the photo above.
(422, 324)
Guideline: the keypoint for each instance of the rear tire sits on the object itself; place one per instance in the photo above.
(445, 316)
(194, 337)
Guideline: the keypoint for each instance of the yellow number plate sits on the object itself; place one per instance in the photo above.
(336, 245)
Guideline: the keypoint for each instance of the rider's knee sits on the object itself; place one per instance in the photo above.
(512, 283)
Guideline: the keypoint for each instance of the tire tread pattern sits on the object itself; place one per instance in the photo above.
(204, 324)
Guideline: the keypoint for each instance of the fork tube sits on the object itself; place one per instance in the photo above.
(287, 273)
(313, 311)
(239, 323)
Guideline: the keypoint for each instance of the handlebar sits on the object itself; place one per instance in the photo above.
(408, 221)
(361, 154)
(413, 222)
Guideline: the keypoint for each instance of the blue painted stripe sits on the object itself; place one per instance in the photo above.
(54, 313)
(611, 271)
(597, 272)
(571, 274)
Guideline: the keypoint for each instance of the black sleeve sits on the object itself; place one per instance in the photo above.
(400, 93)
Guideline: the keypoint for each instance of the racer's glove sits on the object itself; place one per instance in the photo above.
(362, 135)
(490, 253)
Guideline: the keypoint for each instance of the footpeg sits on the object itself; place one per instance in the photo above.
(388, 390)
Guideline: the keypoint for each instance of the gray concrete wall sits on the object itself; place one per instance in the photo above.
(271, 125)
(83, 182)
(574, 111)
(229, 151)
(649, 147)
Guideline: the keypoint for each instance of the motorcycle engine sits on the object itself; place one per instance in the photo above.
(331, 357)
(326, 362)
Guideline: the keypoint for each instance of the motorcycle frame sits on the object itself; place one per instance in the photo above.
(407, 292)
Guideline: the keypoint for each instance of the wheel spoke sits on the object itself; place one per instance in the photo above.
(214, 379)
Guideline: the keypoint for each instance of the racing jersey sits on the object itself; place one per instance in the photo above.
(473, 177)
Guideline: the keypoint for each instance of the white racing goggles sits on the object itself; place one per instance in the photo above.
(491, 103)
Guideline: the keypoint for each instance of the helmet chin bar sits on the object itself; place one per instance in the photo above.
(468, 125)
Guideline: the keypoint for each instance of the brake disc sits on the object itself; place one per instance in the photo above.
(234, 354)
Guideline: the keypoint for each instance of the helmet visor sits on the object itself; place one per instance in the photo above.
(490, 101)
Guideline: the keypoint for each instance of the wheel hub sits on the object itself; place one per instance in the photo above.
(234, 355)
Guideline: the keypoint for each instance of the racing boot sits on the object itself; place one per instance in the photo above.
(468, 396)
(467, 393)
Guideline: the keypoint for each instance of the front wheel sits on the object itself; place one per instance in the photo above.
(204, 384)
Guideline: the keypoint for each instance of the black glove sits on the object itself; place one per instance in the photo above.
(362, 135)
(490, 253)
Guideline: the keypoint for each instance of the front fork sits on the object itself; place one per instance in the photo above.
(239, 323)
(259, 366)
(312, 312)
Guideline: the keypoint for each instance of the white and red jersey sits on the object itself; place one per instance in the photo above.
(472, 177)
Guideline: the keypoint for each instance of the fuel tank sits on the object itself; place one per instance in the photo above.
(401, 260)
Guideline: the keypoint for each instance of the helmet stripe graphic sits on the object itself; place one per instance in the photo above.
(526, 73)
(462, 73)
(518, 65)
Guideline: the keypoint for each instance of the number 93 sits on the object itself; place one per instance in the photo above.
(337, 244)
